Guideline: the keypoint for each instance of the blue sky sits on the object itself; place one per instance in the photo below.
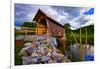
(75, 16)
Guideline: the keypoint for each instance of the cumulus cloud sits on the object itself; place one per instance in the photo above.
(72, 15)
(82, 20)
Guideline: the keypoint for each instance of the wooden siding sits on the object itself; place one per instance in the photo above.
(47, 25)
(41, 26)
(54, 29)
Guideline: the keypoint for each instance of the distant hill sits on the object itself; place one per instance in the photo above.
(90, 34)
(90, 29)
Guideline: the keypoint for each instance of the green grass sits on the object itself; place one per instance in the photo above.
(71, 40)
(18, 48)
(18, 60)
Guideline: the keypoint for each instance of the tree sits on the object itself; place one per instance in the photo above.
(67, 27)
(29, 24)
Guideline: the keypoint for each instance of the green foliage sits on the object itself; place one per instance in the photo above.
(70, 38)
(90, 29)
(18, 48)
(67, 27)
(29, 24)
(18, 59)
(90, 34)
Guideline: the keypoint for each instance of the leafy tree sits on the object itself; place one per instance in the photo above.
(67, 27)
(29, 24)
(68, 33)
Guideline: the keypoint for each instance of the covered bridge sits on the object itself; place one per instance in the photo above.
(47, 25)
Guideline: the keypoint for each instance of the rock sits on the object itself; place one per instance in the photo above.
(19, 37)
(34, 60)
(45, 59)
(26, 51)
(34, 54)
(51, 61)
(28, 44)
(27, 60)
(49, 54)
(42, 51)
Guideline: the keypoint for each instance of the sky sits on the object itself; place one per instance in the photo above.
(76, 16)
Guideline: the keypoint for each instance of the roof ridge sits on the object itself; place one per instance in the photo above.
(50, 17)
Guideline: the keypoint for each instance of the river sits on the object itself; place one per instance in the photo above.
(74, 53)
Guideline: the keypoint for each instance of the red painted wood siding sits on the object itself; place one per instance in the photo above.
(54, 29)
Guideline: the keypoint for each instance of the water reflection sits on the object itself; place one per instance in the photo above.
(74, 53)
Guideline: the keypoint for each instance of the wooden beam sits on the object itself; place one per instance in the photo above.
(26, 32)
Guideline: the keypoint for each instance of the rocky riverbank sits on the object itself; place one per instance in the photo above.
(42, 51)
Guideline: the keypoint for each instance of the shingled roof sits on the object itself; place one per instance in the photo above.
(48, 16)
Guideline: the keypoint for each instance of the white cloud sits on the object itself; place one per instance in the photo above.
(61, 16)
(82, 20)
(30, 16)
(17, 13)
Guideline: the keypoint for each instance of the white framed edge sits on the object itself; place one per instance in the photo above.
(38, 2)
